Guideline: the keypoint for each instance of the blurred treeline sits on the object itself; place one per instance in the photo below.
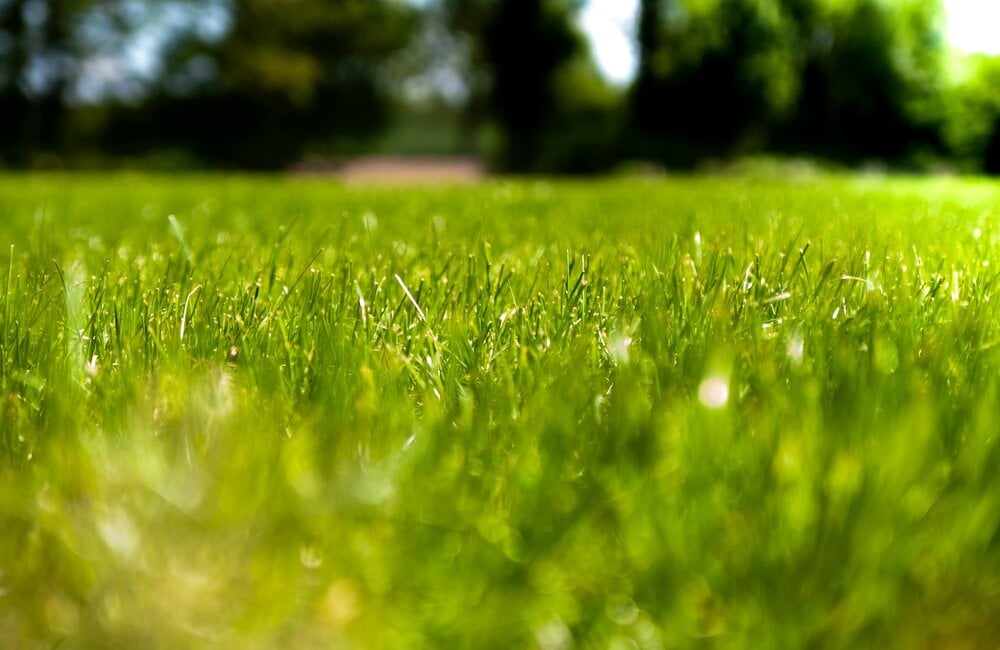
(268, 83)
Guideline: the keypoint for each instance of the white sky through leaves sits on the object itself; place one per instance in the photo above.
(972, 26)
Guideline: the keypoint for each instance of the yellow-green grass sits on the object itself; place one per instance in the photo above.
(703, 412)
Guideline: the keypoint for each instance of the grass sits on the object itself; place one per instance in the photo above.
(692, 413)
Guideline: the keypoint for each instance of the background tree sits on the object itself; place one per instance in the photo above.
(285, 77)
(13, 61)
(262, 83)
(526, 42)
(972, 127)
(843, 78)
(523, 52)
(871, 81)
(712, 76)
(40, 54)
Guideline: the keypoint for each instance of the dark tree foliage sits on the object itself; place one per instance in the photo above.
(526, 42)
(972, 124)
(521, 46)
(466, 20)
(711, 77)
(287, 75)
(13, 103)
(844, 79)
(991, 154)
(868, 83)
(850, 80)
(39, 53)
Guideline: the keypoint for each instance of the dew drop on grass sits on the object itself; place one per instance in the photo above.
(342, 602)
(621, 609)
(310, 557)
(554, 635)
(618, 347)
(796, 349)
(119, 533)
(714, 392)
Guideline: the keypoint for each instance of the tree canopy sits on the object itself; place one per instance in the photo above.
(843, 78)
(263, 83)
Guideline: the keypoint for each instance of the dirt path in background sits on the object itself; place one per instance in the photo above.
(401, 169)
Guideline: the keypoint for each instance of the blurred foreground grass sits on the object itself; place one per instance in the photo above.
(693, 413)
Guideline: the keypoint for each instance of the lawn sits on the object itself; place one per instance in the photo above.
(706, 412)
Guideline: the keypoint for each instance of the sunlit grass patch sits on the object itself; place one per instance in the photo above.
(260, 412)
